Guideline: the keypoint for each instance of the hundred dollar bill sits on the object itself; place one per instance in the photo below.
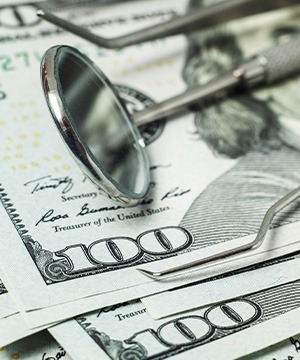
(13, 328)
(223, 287)
(41, 317)
(12, 324)
(225, 330)
(50, 175)
(43, 347)
(70, 246)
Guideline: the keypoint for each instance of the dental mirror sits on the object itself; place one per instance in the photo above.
(101, 135)
(95, 125)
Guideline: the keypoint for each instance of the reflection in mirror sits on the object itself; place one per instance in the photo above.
(100, 122)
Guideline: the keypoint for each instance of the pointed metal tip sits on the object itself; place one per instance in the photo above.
(40, 13)
(150, 274)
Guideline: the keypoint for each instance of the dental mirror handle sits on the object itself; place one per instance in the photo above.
(267, 67)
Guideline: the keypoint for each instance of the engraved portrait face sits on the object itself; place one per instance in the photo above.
(259, 120)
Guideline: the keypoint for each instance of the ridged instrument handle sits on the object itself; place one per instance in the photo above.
(282, 61)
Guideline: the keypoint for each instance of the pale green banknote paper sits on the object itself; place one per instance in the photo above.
(227, 286)
(41, 346)
(214, 173)
(225, 330)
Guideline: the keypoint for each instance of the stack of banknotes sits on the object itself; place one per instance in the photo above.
(69, 287)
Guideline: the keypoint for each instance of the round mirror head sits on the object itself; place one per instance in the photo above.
(95, 125)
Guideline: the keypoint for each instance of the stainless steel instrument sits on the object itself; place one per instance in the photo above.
(198, 19)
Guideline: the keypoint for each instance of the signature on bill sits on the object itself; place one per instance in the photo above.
(64, 183)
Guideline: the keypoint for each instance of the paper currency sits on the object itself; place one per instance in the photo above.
(41, 346)
(210, 293)
(60, 231)
(288, 349)
(67, 236)
(225, 331)
(13, 328)
(12, 323)
(85, 215)
(6, 305)
(227, 286)
(41, 317)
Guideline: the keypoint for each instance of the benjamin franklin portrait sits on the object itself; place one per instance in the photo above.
(257, 128)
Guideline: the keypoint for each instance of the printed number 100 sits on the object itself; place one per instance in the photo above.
(187, 332)
(118, 251)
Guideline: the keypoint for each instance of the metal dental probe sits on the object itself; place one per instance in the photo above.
(273, 210)
(196, 20)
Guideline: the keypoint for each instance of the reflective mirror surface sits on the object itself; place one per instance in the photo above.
(95, 125)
